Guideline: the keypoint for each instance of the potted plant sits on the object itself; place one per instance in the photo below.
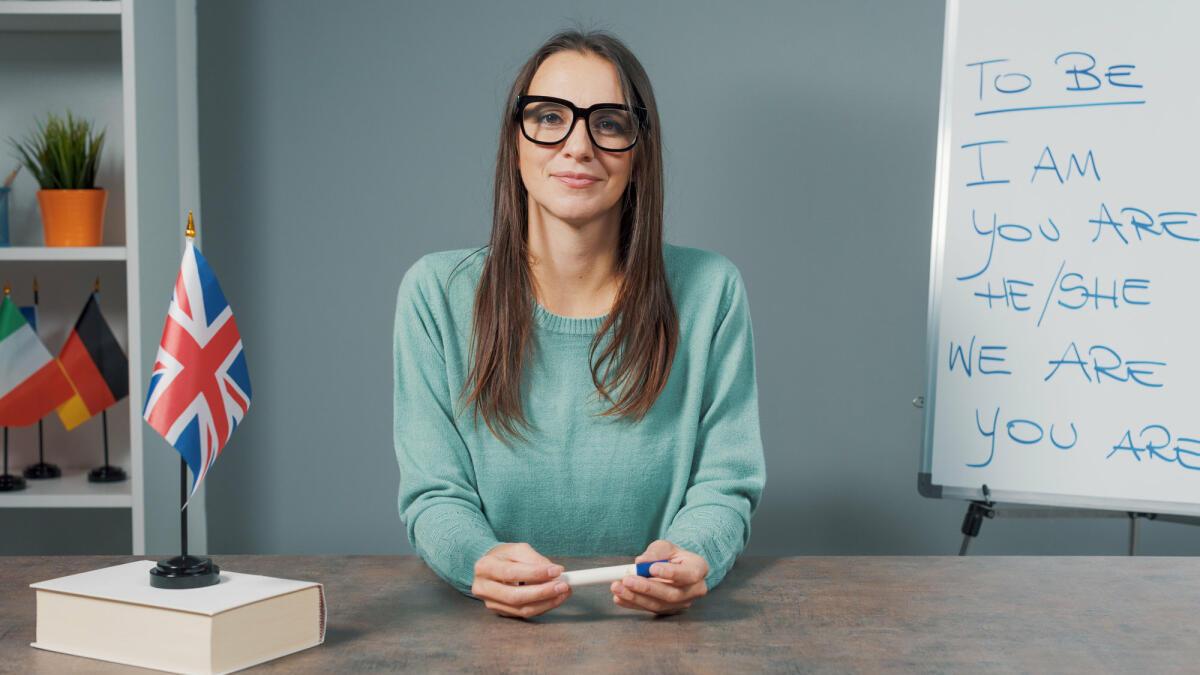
(63, 156)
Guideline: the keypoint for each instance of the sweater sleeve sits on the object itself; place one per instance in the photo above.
(439, 503)
(728, 470)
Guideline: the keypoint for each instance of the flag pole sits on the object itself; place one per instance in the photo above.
(106, 473)
(9, 483)
(189, 234)
(182, 507)
(41, 469)
(184, 571)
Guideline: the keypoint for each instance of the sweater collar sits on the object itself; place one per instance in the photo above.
(565, 324)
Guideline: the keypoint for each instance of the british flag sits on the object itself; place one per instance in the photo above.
(200, 388)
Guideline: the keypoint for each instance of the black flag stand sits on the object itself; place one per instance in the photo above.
(8, 482)
(41, 469)
(107, 473)
(184, 571)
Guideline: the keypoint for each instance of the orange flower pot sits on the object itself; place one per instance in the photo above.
(73, 217)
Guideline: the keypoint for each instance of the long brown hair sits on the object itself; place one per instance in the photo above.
(636, 361)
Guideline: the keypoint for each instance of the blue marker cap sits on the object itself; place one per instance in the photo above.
(643, 569)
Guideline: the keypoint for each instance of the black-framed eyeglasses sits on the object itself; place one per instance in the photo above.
(546, 120)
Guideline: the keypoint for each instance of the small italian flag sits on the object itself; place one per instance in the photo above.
(32, 383)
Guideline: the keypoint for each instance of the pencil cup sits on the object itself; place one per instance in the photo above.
(4, 215)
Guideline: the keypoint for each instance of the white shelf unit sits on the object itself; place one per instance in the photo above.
(55, 56)
(72, 490)
(58, 253)
(60, 16)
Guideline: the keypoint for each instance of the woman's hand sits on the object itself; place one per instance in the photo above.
(672, 586)
(515, 580)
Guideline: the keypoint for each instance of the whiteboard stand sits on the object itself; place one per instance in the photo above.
(977, 510)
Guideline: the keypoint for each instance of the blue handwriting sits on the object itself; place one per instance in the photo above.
(1106, 363)
(973, 362)
(1142, 223)
(1157, 438)
(1022, 432)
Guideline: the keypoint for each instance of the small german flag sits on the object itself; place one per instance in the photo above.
(96, 366)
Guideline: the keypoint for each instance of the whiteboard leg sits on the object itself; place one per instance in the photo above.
(976, 512)
(1133, 533)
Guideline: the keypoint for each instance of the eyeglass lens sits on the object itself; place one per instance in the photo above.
(548, 122)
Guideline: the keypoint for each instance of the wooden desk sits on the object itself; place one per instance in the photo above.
(771, 614)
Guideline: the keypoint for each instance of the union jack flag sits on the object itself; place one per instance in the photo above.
(200, 388)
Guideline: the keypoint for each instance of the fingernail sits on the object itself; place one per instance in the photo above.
(560, 588)
(553, 571)
(634, 584)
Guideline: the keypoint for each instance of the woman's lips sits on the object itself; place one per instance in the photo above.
(576, 180)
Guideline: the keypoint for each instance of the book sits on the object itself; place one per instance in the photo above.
(114, 614)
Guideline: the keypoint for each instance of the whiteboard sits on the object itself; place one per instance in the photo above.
(1064, 308)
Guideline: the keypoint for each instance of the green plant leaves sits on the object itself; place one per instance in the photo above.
(63, 154)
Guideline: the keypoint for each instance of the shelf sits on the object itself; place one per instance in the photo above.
(58, 15)
(57, 253)
(72, 490)
(60, 7)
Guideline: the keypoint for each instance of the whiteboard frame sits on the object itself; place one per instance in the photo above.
(941, 197)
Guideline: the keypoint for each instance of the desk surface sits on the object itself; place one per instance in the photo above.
(770, 614)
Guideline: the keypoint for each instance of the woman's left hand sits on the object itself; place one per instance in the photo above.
(672, 586)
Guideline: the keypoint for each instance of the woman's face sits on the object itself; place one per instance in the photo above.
(574, 181)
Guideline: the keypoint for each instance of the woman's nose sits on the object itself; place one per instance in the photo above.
(578, 144)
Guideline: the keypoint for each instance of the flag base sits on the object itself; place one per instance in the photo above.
(106, 474)
(10, 483)
(42, 470)
(185, 571)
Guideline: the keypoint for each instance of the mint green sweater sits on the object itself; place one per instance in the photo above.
(690, 472)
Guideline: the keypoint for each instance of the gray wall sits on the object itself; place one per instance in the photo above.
(340, 142)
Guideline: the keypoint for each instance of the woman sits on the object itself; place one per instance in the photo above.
(612, 424)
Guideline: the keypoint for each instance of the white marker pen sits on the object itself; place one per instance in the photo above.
(604, 575)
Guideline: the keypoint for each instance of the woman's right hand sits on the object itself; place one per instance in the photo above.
(515, 580)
